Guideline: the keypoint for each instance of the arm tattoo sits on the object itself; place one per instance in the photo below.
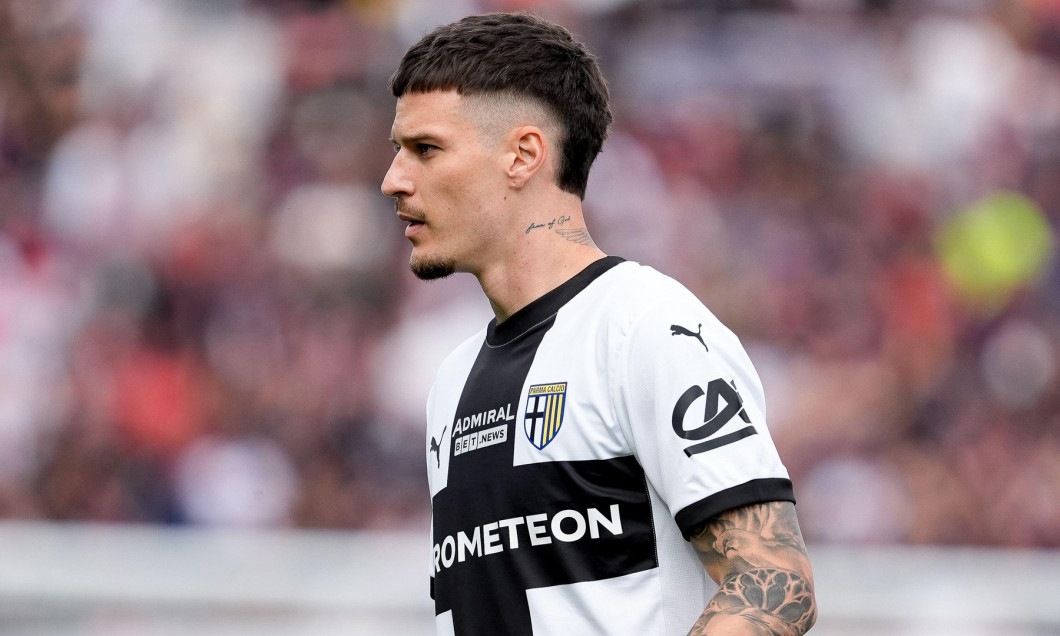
(577, 235)
(758, 556)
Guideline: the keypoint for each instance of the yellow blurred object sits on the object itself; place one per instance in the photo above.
(995, 247)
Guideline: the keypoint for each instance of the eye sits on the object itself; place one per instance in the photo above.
(425, 149)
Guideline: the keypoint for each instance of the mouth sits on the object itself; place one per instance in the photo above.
(414, 221)
(412, 227)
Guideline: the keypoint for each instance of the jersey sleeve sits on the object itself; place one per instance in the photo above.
(692, 408)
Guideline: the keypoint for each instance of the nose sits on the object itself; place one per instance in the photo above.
(396, 182)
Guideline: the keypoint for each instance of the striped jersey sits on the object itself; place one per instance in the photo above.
(573, 448)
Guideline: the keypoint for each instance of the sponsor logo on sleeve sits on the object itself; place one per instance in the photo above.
(678, 330)
(722, 404)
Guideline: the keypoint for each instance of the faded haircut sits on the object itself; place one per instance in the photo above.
(519, 55)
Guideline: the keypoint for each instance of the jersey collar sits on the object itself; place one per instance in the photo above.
(546, 306)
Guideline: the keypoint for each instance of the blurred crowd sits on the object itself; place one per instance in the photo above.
(206, 315)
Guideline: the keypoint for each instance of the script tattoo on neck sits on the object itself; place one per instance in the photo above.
(579, 235)
(560, 220)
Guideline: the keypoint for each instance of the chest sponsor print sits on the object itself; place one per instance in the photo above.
(545, 404)
(482, 429)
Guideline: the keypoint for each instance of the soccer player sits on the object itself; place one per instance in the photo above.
(599, 451)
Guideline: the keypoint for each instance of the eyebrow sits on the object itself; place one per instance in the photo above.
(413, 139)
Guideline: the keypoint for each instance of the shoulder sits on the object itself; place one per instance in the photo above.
(645, 303)
(644, 280)
(666, 332)
(630, 290)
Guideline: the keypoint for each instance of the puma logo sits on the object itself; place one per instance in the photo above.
(678, 330)
(436, 447)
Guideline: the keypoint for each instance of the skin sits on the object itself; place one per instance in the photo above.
(757, 556)
(472, 186)
(476, 183)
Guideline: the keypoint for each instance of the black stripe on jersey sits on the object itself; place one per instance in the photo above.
(753, 492)
(487, 592)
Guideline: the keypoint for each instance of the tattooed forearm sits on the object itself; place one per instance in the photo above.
(758, 556)
(577, 235)
(761, 601)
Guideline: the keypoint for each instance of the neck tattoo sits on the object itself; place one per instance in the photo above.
(577, 235)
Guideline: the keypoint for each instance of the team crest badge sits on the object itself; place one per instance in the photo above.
(544, 412)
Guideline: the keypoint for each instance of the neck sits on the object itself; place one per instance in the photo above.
(551, 248)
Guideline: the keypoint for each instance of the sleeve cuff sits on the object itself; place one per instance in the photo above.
(752, 492)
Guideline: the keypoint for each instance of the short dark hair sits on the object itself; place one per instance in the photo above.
(519, 54)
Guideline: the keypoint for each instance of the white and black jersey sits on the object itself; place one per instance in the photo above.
(571, 450)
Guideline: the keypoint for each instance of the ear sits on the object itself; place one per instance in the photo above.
(529, 152)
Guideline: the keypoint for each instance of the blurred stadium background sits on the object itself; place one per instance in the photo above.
(213, 360)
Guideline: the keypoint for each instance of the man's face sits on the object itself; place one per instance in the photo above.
(448, 184)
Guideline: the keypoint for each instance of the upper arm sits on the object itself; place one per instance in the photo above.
(691, 407)
(757, 554)
(692, 411)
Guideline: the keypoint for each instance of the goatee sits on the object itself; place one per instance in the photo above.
(432, 270)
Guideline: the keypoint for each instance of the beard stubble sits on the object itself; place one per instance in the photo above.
(425, 268)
